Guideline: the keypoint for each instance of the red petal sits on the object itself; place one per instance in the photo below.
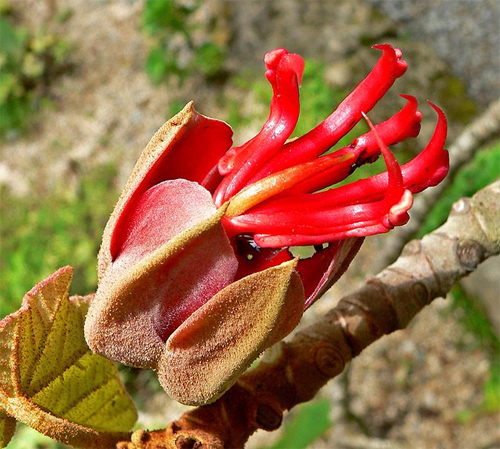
(252, 258)
(324, 268)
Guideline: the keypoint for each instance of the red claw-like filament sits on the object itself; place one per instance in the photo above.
(240, 164)
(354, 220)
(389, 67)
(365, 207)
(282, 194)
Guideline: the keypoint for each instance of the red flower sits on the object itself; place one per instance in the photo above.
(195, 273)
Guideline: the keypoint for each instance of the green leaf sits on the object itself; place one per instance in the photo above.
(309, 423)
(8, 86)
(165, 16)
(49, 378)
(210, 59)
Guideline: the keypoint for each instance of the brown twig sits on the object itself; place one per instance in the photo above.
(482, 130)
(426, 269)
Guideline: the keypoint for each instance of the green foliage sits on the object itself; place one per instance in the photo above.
(174, 51)
(51, 380)
(477, 174)
(310, 421)
(40, 235)
(475, 322)
(451, 94)
(29, 62)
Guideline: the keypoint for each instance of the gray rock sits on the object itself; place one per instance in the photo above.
(465, 33)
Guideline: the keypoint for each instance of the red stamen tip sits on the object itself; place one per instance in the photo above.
(398, 214)
(393, 168)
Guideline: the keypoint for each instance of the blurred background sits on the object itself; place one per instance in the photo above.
(84, 84)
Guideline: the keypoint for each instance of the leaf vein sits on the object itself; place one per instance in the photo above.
(85, 396)
(50, 380)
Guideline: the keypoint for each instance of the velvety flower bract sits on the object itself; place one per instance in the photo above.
(196, 276)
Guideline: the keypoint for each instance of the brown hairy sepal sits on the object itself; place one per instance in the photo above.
(210, 350)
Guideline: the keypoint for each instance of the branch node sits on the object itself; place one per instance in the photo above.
(267, 417)
(329, 361)
(184, 442)
(470, 253)
(412, 248)
(462, 206)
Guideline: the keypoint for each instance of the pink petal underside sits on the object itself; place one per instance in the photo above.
(186, 147)
(325, 267)
(162, 213)
(389, 67)
(175, 257)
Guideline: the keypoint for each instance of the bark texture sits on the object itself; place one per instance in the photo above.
(297, 369)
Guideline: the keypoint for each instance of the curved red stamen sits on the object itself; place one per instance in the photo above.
(388, 68)
(379, 223)
(427, 169)
(310, 221)
(279, 241)
(284, 73)
(399, 127)
(395, 177)
(402, 125)
(313, 226)
(282, 181)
